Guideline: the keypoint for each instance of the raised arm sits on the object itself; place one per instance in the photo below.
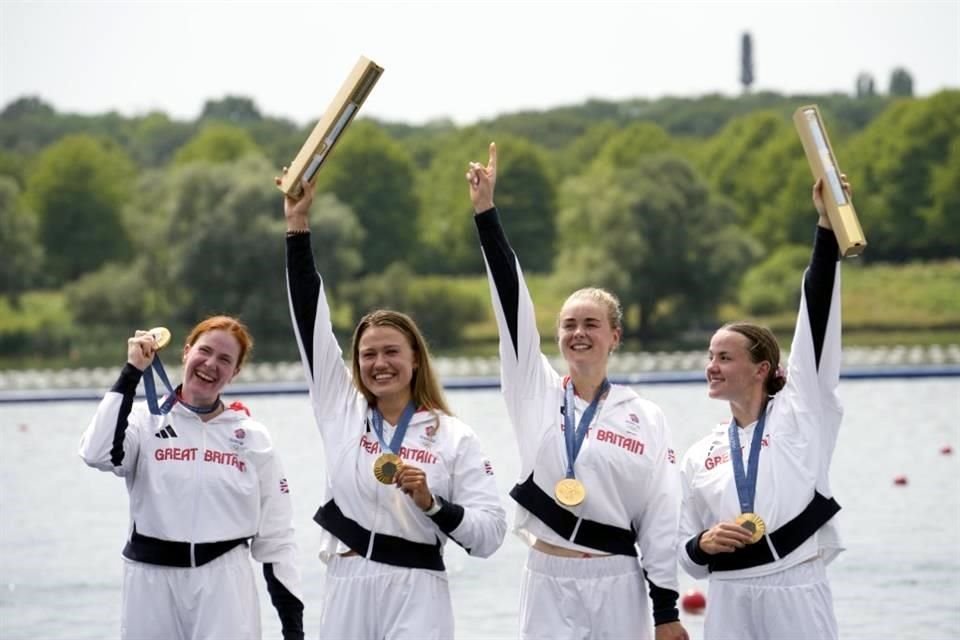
(110, 442)
(525, 371)
(327, 377)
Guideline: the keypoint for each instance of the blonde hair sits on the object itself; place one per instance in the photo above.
(604, 298)
(425, 388)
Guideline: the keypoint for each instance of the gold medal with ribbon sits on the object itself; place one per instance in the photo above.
(570, 492)
(385, 468)
(161, 335)
(752, 523)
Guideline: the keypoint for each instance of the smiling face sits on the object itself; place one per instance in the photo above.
(585, 333)
(209, 364)
(387, 363)
(731, 373)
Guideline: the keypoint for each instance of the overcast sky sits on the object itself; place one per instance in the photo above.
(465, 60)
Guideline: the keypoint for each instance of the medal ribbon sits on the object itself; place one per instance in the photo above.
(150, 390)
(746, 482)
(574, 437)
(402, 425)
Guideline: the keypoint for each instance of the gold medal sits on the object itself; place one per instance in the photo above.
(161, 335)
(386, 467)
(570, 492)
(752, 523)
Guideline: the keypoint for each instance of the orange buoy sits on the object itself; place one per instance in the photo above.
(901, 479)
(693, 601)
(946, 449)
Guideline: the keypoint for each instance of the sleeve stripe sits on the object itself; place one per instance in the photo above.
(818, 285)
(503, 267)
(303, 283)
(126, 386)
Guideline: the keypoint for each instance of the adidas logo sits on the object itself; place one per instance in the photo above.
(166, 432)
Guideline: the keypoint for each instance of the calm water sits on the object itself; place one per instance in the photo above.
(62, 525)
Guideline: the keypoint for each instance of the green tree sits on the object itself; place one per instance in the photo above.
(901, 83)
(223, 250)
(654, 235)
(155, 138)
(440, 307)
(374, 176)
(766, 288)
(233, 109)
(525, 194)
(943, 215)
(629, 147)
(78, 190)
(217, 142)
(746, 160)
(893, 164)
(18, 244)
(116, 296)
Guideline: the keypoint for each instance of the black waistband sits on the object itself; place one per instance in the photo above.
(595, 535)
(785, 539)
(392, 550)
(175, 554)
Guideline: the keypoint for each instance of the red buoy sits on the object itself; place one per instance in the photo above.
(946, 449)
(901, 479)
(693, 601)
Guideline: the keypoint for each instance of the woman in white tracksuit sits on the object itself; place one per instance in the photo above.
(403, 474)
(772, 460)
(598, 472)
(205, 484)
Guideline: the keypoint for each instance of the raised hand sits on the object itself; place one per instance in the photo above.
(818, 203)
(140, 349)
(482, 181)
(297, 211)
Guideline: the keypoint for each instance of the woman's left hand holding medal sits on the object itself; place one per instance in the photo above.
(141, 348)
(413, 482)
(724, 537)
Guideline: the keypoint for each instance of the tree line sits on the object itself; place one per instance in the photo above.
(678, 205)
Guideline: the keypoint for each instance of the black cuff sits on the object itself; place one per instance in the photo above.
(697, 554)
(664, 603)
(129, 378)
(449, 517)
(487, 219)
(288, 606)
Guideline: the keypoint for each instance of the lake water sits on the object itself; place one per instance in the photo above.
(62, 525)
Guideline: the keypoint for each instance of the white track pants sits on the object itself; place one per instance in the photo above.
(579, 599)
(366, 600)
(217, 601)
(794, 604)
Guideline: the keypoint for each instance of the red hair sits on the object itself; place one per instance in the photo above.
(231, 325)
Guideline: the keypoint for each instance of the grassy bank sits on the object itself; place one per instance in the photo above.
(916, 304)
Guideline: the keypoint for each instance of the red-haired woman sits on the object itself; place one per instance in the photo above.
(207, 491)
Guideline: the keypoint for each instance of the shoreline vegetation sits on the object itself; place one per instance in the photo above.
(694, 211)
